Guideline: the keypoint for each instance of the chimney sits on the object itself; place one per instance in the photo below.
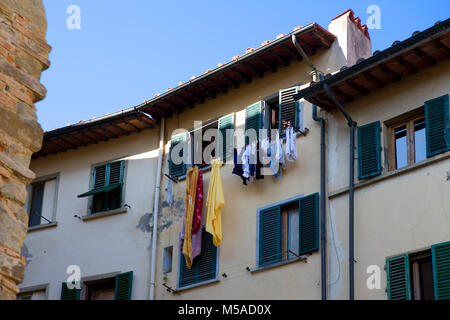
(353, 38)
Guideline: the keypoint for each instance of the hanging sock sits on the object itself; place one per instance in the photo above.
(191, 188)
(214, 202)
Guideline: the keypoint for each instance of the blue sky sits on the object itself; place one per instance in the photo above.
(127, 51)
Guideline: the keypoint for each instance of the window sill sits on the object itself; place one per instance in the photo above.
(277, 264)
(103, 214)
(192, 286)
(42, 227)
(392, 174)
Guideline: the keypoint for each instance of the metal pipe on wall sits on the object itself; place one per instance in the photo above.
(156, 211)
(323, 245)
(351, 198)
(352, 125)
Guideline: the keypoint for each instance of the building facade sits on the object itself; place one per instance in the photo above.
(99, 207)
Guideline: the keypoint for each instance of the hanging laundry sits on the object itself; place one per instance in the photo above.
(291, 145)
(198, 204)
(281, 152)
(259, 166)
(265, 150)
(169, 192)
(191, 188)
(237, 170)
(246, 162)
(196, 241)
(214, 202)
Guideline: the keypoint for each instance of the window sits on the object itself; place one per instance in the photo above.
(407, 142)
(107, 187)
(111, 288)
(288, 230)
(201, 145)
(167, 259)
(204, 267)
(421, 270)
(40, 294)
(101, 289)
(281, 108)
(200, 141)
(420, 276)
(42, 203)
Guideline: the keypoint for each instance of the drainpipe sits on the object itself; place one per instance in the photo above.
(156, 205)
(352, 126)
(323, 245)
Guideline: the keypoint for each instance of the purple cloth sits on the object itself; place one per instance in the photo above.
(196, 242)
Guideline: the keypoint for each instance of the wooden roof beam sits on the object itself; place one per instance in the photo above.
(254, 69)
(357, 86)
(389, 71)
(280, 60)
(422, 54)
(407, 64)
(371, 77)
(243, 75)
(232, 82)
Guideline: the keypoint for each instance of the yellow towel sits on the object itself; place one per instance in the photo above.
(191, 188)
(214, 202)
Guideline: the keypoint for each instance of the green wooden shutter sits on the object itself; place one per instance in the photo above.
(369, 150)
(440, 254)
(124, 284)
(269, 236)
(309, 224)
(207, 260)
(204, 266)
(115, 172)
(100, 176)
(437, 125)
(69, 294)
(225, 146)
(177, 170)
(289, 108)
(398, 278)
(253, 120)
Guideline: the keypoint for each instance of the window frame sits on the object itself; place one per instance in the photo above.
(258, 235)
(410, 140)
(210, 124)
(91, 184)
(39, 180)
(275, 97)
(197, 284)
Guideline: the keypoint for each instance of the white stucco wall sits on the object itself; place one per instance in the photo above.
(118, 243)
(402, 214)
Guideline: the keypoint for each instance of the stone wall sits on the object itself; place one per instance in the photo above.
(23, 56)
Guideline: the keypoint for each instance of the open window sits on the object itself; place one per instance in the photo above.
(288, 230)
(42, 201)
(118, 287)
(107, 187)
(421, 275)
